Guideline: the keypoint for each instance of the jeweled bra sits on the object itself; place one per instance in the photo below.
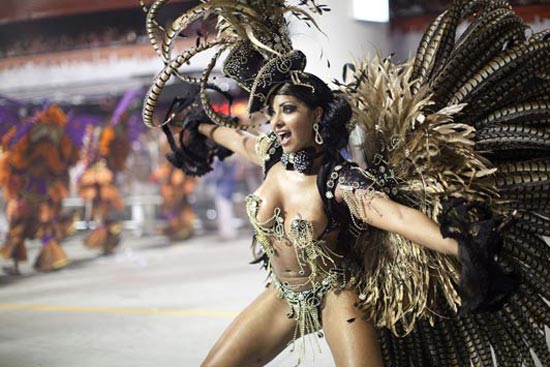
(309, 251)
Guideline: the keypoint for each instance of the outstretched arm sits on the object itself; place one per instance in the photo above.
(379, 211)
(483, 283)
(240, 142)
(410, 223)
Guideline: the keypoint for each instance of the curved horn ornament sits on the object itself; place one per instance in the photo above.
(162, 78)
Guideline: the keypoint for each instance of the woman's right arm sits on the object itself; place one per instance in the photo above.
(240, 142)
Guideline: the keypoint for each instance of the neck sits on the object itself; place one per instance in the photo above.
(305, 161)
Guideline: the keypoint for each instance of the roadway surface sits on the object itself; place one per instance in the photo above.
(151, 304)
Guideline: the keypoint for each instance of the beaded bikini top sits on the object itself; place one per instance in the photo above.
(357, 187)
(311, 252)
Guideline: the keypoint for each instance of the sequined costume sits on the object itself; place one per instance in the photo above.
(325, 269)
(460, 133)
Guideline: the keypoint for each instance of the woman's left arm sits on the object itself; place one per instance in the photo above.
(376, 209)
(386, 214)
(483, 284)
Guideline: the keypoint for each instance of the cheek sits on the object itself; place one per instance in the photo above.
(302, 126)
(301, 131)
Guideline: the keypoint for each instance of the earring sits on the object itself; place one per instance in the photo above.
(318, 138)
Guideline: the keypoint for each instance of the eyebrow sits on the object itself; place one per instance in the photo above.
(285, 102)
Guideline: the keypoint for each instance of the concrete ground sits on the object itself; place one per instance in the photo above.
(151, 304)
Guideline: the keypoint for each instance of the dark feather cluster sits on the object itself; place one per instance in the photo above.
(503, 78)
(484, 285)
(196, 153)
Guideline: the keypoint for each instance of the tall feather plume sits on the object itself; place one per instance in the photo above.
(263, 23)
(500, 27)
(430, 155)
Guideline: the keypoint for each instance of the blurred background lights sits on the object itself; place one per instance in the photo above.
(371, 10)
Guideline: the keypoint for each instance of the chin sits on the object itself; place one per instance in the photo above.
(291, 149)
(295, 146)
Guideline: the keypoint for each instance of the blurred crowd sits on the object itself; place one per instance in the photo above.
(408, 8)
(85, 31)
(39, 44)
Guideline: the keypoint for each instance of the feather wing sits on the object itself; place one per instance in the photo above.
(469, 117)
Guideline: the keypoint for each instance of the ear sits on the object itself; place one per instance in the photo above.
(318, 114)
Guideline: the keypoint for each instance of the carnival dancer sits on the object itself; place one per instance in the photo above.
(175, 189)
(106, 152)
(97, 188)
(34, 175)
(432, 253)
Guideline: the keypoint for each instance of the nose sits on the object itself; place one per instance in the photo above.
(276, 121)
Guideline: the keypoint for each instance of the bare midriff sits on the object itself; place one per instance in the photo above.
(288, 269)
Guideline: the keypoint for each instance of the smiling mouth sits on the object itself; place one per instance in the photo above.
(284, 137)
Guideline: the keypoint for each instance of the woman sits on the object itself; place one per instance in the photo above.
(284, 208)
(460, 133)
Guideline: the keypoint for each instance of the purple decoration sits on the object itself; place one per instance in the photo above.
(39, 184)
(9, 113)
(8, 116)
(76, 127)
(24, 126)
(22, 130)
(45, 105)
(125, 103)
(172, 214)
(47, 239)
(136, 127)
(7, 120)
(76, 134)
(4, 101)
(85, 119)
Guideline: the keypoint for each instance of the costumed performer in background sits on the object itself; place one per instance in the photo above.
(175, 189)
(34, 175)
(106, 152)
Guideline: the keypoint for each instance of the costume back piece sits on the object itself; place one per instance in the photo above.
(461, 132)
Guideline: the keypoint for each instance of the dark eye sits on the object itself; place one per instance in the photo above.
(288, 108)
(270, 111)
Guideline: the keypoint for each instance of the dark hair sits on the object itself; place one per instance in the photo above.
(336, 109)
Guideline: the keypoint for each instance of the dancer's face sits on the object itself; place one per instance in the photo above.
(292, 121)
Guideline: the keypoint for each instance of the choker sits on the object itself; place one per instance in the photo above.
(301, 161)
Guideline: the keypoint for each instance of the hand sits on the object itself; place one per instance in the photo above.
(196, 153)
(484, 285)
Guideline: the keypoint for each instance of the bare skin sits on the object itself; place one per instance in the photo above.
(352, 340)
(258, 334)
(263, 330)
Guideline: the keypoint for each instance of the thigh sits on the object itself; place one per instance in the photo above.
(353, 341)
(256, 336)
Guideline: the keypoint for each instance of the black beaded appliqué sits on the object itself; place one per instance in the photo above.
(384, 177)
(301, 161)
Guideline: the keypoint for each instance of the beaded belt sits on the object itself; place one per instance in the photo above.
(306, 305)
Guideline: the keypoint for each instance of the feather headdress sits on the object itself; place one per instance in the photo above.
(253, 32)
